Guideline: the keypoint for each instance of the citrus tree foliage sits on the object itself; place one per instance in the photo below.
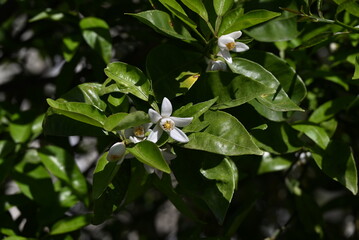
(242, 114)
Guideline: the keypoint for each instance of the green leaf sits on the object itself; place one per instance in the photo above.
(337, 162)
(62, 165)
(351, 6)
(315, 40)
(96, 33)
(176, 9)
(233, 89)
(289, 80)
(356, 72)
(194, 111)
(225, 135)
(314, 132)
(162, 22)
(82, 112)
(20, 132)
(278, 101)
(164, 68)
(283, 28)
(222, 6)
(197, 7)
(48, 14)
(272, 164)
(278, 138)
(235, 20)
(103, 175)
(86, 93)
(224, 174)
(120, 121)
(60, 125)
(129, 79)
(330, 108)
(148, 153)
(70, 45)
(70, 224)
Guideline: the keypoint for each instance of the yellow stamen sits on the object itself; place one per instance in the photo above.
(167, 125)
(231, 45)
(139, 131)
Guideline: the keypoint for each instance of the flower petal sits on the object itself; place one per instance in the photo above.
(155, 134)
(234, 35)
(149, 169)
(166, 108)
(226, 55)
(240, 47)
(223, 40)
(217, 65)
(178, 135)
(154, 116)
(182, 122)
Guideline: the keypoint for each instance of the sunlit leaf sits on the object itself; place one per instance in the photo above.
(70, 224)
(148, 153)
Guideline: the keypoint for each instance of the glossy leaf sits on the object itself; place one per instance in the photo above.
(197, 6)
(62, 165)
(222, 6)
(314, 132)
(195, 110)
(283, 28)
(278, 101)
(96, 33)
(337, 162)
(120, 121)
(225, 176)
(82, 112)
(235, 20)
(289, 80)
(225, 135)
(129, 79)
(87, 93)
(174, 7)
(233, 89)
(330, 108)
(148, 153)
(70, 224)
(162, 22)
(103, 175)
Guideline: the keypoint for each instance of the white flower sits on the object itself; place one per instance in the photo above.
(217, 65)
(137, 134)
(116, 153)
(227, 43)
(164, 122)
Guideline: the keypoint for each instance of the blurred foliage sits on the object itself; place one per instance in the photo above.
(273, 145)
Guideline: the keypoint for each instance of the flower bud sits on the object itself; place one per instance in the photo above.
(116, 152)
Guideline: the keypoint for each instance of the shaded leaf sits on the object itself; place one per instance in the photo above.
(96, 33)
(337, 162)
(120, 121)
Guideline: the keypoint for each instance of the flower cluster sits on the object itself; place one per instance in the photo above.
(164, 122)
